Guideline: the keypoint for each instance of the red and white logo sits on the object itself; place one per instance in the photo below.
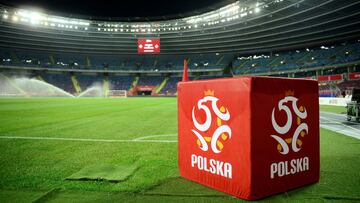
(211, 132)
(148, 46)
(283, 138)
(286, 138)
(222, 132)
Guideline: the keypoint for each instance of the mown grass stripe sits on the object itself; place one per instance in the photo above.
(82, 139)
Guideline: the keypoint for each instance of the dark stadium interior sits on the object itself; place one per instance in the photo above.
(98, 84)
(278, 38)
(125, 10)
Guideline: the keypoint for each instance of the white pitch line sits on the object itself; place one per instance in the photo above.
(335, 114)
(346, 129)
(344, 132)
(337, 122)
(152, 136)
(81, 139)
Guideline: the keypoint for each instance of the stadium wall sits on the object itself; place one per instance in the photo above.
(334, 101)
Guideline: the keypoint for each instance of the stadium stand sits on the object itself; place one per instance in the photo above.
(298, 59)
(60, 80)
(271, 37)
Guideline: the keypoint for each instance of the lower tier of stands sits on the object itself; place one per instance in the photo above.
(142, 84)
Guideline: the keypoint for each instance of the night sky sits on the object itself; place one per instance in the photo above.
(120, 9)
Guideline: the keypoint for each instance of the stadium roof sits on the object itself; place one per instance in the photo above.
(241, 27)
(137, 10)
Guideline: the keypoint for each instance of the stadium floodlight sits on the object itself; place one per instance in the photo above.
(15, 18)
(25, 20)
(224, 14)
(243, 14)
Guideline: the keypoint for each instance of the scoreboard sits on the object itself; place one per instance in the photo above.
(148, 46)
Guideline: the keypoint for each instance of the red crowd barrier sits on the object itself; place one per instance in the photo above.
(354, 76)
(336, 77)
(250, 137)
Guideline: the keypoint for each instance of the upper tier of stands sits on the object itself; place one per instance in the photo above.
(297, 59)
(113, 62)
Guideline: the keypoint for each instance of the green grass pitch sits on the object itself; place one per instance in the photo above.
(333, 109)
(35, 170)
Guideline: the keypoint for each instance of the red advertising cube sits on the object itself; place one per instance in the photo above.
(250, 137)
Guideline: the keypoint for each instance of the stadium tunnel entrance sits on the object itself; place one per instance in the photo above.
(145, 90)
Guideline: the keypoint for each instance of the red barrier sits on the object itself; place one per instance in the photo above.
(354, 76)
(250, 137)
(336, 77)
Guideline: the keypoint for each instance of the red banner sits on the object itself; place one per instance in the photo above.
(250, 137)
(336, 77)
(323, 78)
(148, 46)
(145, 88)
(354, 76)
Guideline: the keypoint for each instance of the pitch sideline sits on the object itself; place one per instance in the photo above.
(140, 139)
(152, 136)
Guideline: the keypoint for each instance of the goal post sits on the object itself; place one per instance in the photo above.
(117, 93)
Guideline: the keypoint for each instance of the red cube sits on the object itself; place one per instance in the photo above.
(250, 137)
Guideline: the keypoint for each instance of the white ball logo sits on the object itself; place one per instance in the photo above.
(301, 129)
(222, 131)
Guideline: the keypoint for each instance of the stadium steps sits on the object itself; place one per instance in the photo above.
(275, 61)
(133, 84)
(87, 62)
(304, 58)
(14, 58)
(244, 64)
(341, 51)
(76, 84)
(197, 77)
(52, 59)
(247, 71)
(106, 86)
(220, 60)
(162, 85)
(40, 78)
(155, 63)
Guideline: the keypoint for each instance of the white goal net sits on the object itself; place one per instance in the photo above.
(117, 93)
